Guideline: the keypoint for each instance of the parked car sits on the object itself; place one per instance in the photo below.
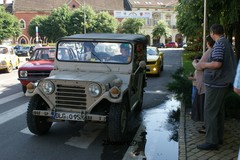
(159, 45)
(24, 51)
(38, 66)
(8, 59)
(171, 45)
(154, 61)
(99, 88)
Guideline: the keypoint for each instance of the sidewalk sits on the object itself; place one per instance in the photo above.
(189, 138)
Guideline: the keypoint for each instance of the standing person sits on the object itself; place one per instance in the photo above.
(192, 77)
(198, 104)
(219, 72)
(236, 85)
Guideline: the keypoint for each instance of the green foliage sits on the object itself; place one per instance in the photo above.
(181, 87)
(232, 103)
(59, 20)
(188, 57)
(105, 23)
(9, 26)
(161, 29)
(63, 22)
(76, 24)
(40, 22)
(131, 25)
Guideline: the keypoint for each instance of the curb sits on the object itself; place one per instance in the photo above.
(181, 136)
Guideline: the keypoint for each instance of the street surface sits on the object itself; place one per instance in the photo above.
(89, 141)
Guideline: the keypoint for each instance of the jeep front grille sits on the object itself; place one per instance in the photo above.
(39, 73)
(70, 97)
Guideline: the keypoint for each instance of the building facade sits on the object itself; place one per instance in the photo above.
(26, 10)
(160, 10)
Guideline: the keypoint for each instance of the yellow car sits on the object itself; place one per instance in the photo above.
(154, 61)
(8, 59)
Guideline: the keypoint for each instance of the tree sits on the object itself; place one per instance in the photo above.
(57, 23)
(105, 23)
(130, 25)
(161, 29)
(76, 23)
(9, 26)
(227, 13)
(39, 21)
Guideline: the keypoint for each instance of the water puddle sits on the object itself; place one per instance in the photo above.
(157, 137)
(161, 125)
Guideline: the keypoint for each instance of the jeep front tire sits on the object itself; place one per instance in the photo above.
(117, 121)
(38, 125)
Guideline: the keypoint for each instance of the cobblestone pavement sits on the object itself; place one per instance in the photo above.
(189, 138)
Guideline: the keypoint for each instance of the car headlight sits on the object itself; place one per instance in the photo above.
(23, 73)
(94, 90)
(48, 87)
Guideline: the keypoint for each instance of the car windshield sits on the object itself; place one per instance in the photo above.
(25, 48)
(44, 54)
(151, 51)
(95, 52)
(3, 50)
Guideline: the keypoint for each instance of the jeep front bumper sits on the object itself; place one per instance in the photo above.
(70, 116)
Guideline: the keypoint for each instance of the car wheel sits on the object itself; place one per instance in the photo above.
(161, 67)
(117, 121)
(38, 125)
(24, 88)
(10, 68)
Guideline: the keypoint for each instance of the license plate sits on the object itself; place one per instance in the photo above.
(70, 116)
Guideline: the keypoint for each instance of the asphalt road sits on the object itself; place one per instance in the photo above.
(84, 141)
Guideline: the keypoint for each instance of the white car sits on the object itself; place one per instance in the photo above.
(8, 59)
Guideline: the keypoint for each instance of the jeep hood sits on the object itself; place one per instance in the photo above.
(82, 76)
(38, 65)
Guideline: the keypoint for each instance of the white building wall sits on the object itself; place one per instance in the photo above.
(164, 13)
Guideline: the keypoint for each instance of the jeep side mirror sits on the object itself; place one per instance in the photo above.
(142, 64)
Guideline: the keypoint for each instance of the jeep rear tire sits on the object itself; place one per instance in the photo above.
(117, 122)
(37, 124)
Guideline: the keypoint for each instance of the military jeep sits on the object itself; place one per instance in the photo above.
(92, 80)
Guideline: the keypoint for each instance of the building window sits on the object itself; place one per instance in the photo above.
(148, 22)
(168, 19)
(156, 18)
(22, 24)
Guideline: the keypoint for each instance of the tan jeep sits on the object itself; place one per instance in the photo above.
(96, 77)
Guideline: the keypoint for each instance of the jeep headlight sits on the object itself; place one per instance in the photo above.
(48, 87)
(94, 90)
(23, 73)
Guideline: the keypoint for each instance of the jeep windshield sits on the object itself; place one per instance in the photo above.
(95, 52)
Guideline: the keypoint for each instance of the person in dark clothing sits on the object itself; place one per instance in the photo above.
(219, 72)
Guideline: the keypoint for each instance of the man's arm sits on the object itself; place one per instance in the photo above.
(209, 65)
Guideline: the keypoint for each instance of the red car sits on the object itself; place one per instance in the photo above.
(39, 66)
(171, 45)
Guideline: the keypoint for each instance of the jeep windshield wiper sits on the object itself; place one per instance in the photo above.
(101, 61)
